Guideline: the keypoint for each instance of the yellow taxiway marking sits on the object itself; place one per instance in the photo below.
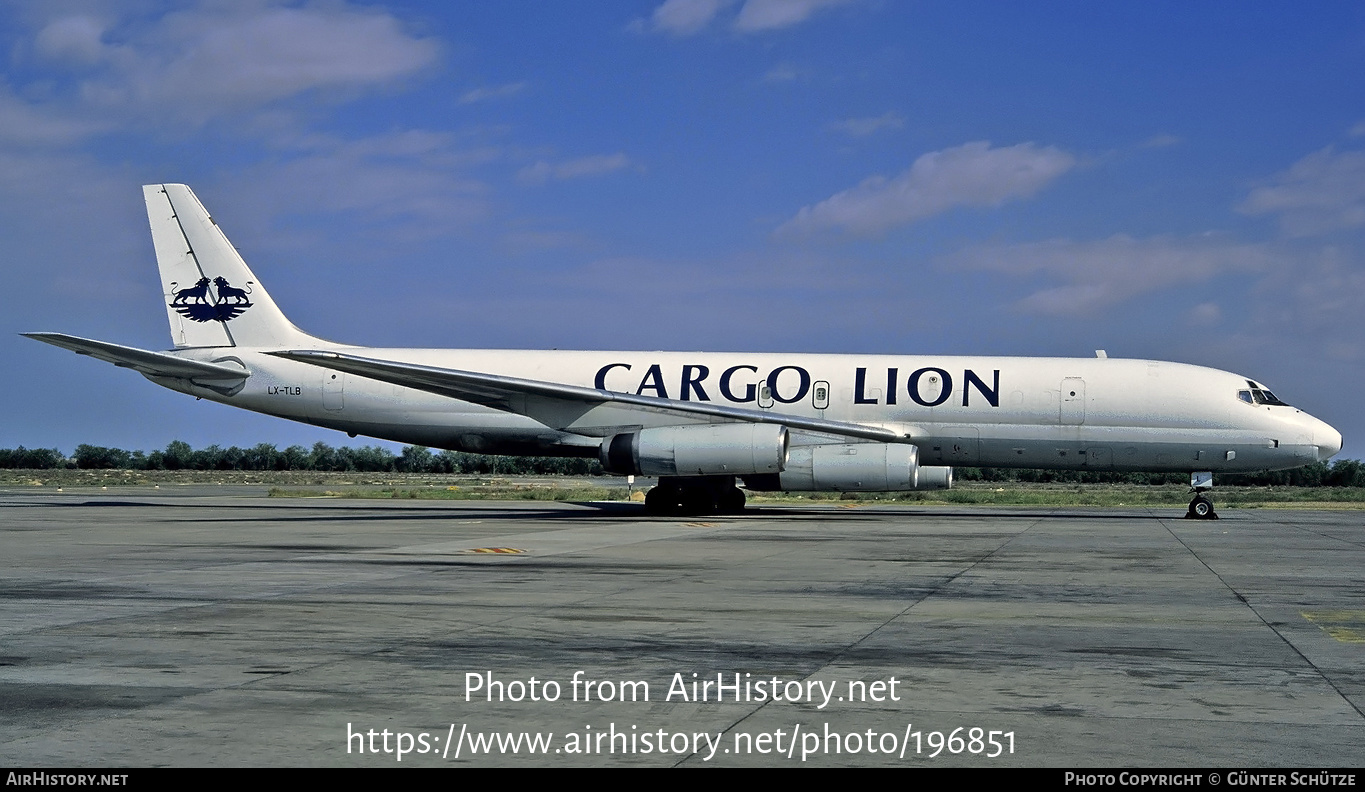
(504, 550)
(1347, 626)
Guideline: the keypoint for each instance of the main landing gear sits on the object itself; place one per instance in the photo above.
(1201, 508)
(690, 495)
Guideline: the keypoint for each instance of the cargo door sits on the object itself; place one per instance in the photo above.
(1072, 401)
(333, 389)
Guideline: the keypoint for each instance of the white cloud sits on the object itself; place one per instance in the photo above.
(689, 17)
(72, 39)
(249, 67)
(1314, 300)
(595, 165)
(27, 124)
(759, 15)
(1103, 273)
(865, 127)
(973, 174)
(218, 59)
(685, 17)
(492, 92)
(1358, 130)
(1322, 192)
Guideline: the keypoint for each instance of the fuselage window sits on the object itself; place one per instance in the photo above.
(820, 395)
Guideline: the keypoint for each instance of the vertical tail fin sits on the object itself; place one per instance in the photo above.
(212, 297)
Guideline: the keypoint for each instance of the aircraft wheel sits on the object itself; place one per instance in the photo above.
(697, 500)
(731, 501)
(1201, 508)
(661, 500)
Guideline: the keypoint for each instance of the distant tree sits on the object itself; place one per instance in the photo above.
(296, 458)
(232, 458)
(1347, 473)
(323, 457)
(32, 458)
(210, 458)
(447, 462)
(178, 455)
(90, 457)
(372, 459)
(415, 459)
(261, 456)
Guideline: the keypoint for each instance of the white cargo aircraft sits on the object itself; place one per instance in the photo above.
(700, 422)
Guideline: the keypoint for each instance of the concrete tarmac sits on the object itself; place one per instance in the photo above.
(212, 626)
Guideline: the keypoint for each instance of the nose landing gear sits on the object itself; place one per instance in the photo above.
(1201, 508)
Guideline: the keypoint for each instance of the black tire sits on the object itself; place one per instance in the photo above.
(1201, 508)
(731, 501)
(696, 501)
(661, 500)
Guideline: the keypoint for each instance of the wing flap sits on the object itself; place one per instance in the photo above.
(154, 364)
(557, 404)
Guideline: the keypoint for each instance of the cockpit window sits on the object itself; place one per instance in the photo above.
(1260, 396)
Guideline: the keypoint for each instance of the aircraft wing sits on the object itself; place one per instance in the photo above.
(538, 399)
(154, 364)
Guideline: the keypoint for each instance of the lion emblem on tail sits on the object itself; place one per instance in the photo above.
(199, 304)
(197, 293)
(228, 292)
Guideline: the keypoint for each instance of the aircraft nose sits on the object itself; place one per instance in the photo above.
(1328, 441)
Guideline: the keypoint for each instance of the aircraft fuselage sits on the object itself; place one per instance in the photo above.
(1062, 413)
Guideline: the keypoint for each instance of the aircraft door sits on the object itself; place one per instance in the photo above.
(333, 389)
(1072, 402)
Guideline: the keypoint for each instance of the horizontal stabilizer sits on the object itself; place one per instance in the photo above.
(524, 397)
(153, 364)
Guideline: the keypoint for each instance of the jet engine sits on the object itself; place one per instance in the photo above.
(734, 449)
(934, 477)
(854, 467)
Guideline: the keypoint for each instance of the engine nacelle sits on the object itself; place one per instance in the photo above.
(854, 467)
(735, 449)
(934, 477)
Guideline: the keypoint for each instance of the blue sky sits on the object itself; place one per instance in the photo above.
(1172, 181)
